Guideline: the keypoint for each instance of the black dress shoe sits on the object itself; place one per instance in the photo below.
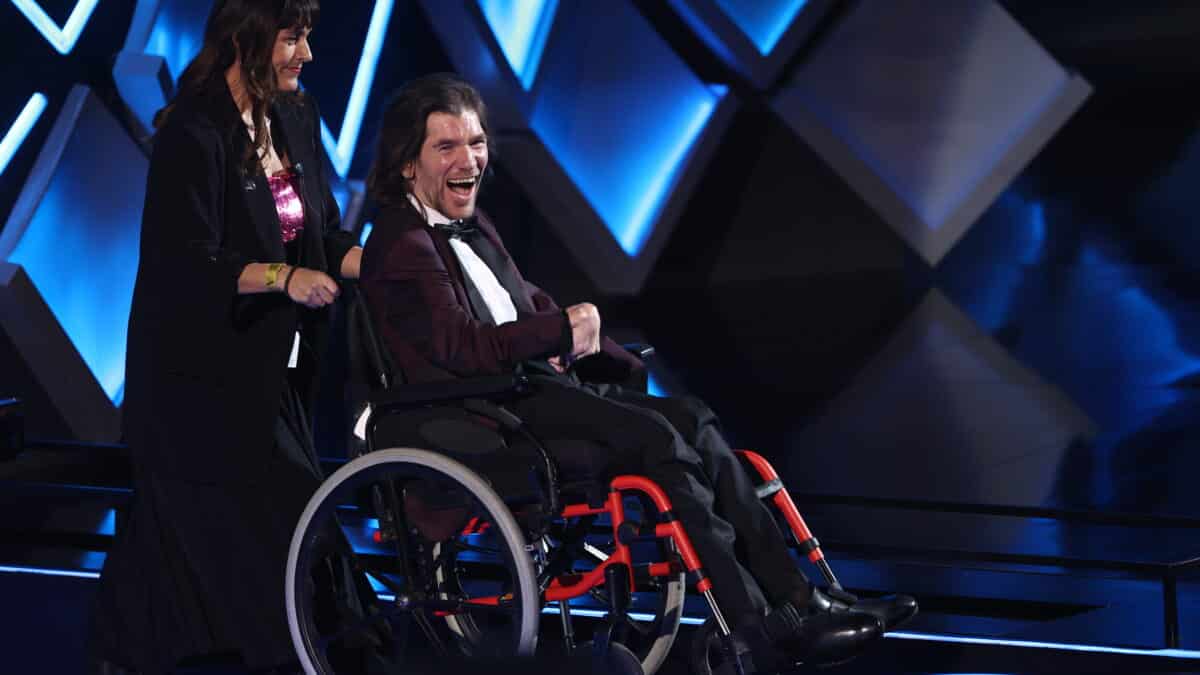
(827, 633)
(892, 610)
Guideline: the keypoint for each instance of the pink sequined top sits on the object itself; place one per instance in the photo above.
(287, 204)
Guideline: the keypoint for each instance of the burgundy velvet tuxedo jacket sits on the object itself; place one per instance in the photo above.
(415, 289)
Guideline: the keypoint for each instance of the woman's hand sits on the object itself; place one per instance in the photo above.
(311, 288)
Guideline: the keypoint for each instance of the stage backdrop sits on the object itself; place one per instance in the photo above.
(900, 252)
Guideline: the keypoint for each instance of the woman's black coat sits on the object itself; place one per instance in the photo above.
(205, 364)
(198, 565)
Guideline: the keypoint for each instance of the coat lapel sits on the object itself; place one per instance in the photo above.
(261, 206)
(255, 191)
(488, 248)
(501, 264)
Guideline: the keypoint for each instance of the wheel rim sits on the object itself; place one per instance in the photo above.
(311, 641)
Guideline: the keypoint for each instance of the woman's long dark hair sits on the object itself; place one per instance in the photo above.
(403, 130)
(247, 28)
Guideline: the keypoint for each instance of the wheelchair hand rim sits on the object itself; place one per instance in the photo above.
(503, 520)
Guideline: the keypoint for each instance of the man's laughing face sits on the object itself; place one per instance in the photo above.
(446, 175)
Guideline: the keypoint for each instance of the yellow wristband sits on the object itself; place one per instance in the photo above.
(273, 273)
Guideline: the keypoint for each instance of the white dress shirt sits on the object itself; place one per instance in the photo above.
(497, 299)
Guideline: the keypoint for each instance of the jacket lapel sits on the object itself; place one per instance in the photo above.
(488, 248)
(494, 254)
(407, 217)
(255, 191)
(261, 206)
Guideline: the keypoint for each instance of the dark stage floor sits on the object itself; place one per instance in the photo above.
(1012, 590)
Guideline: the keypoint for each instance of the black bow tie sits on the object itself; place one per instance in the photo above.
(463, 229)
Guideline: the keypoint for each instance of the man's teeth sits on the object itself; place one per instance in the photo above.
(463, 182)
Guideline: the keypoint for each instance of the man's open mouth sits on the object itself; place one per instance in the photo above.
(463, 186)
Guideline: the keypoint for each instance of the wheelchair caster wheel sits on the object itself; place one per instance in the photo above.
(710, 655)
(616, 659)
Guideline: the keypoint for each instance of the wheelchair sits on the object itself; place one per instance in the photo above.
(471, 532)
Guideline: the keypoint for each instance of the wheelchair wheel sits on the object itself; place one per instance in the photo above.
(656, 613)
(390, 517)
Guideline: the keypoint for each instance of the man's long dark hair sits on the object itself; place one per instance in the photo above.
(247, 28)
(403, 131)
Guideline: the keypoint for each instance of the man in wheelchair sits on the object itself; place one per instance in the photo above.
(449, 303)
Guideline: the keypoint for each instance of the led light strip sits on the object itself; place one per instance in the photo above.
(20, 129)
(696, 621)
(341, 150)
(46, 572)
(1033, 644)
(63, 39)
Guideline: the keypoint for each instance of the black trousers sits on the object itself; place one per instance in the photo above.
(676, 443)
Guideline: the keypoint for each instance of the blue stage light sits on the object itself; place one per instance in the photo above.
(636, 616)
(177, 34)
(653, 388)
(49, 572)
(87, 160)
(20, 129)
(621, 123)
(763, 21)
(1034, 644)
(108, 524)
(521, 28)
(366, 233)
(629, 198)
(341, 149)
(989, 271)
(1131, 335)
(661, 173)
(63, 39)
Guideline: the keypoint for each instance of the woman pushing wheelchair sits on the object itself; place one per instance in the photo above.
(240, 246)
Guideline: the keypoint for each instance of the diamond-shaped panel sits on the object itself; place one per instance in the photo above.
(68, 205)
(929, 115)
(521, 27)
(608, 141)
(756, 38)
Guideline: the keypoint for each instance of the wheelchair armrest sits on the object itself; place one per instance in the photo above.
(429, 393)
(639, 349)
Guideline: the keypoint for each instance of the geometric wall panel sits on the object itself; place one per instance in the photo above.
(607, 142)
(620, 123)
(144, 83)
(163, 37)
(942, 412)
(74, 231)
(929, 115)
(44, 368)
(521, 28)
(170, 29)
(754, 38)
